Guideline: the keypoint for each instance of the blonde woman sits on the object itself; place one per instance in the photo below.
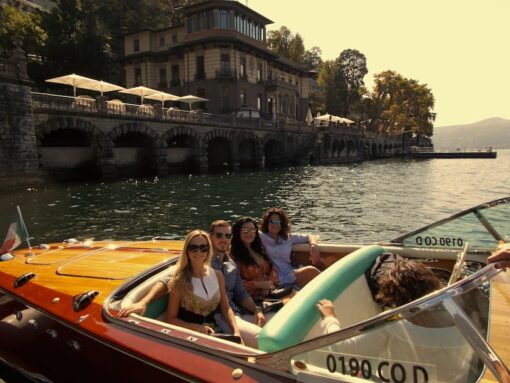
(197, 290)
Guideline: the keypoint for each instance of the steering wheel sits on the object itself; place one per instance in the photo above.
(459, 264)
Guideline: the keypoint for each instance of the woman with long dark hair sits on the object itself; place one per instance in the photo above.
(257, 271)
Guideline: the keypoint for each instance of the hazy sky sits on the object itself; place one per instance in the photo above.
(459, 48)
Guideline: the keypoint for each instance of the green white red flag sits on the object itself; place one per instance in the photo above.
(16, 234)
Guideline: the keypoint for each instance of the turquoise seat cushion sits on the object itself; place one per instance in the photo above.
(157, 307)
(294, 321)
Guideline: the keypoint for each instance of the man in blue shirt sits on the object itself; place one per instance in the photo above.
(249, 316)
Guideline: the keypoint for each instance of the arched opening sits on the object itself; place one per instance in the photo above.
(67, 154)
(273, 151)
(335, 149)
(341, 149)
(218, 154)
(134, 155)
(374, 150)
(248, 154)
(179, 153)
(350, 148)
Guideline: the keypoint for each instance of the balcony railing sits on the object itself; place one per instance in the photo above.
(100, 107)
(117, 109)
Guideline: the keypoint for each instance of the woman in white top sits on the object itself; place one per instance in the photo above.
(278, 241)
(197, 290)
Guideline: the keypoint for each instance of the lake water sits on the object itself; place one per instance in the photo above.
(358, 202)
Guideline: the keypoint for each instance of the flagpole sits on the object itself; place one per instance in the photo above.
(24, 227)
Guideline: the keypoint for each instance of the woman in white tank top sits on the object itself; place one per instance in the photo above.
(197, 290)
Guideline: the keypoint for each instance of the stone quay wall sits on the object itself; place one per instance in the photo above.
(18, 150)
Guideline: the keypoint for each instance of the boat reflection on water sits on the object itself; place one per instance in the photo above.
(59, 306)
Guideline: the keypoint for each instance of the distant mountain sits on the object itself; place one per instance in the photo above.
(494, 132)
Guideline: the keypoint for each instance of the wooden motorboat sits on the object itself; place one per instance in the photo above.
(59, 323)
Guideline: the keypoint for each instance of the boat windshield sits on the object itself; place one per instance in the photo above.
(483, 226)
(437, 338)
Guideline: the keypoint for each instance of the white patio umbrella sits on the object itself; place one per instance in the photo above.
(190, 99)
(346, 121)
(140, 91)
(75, 80)
(101, 86)
(163, 96)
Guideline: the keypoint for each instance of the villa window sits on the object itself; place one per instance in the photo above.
(238, 23)
(225, 99)
(175, 75)
(225, 64)
(201, 21)
(162, 41)
(243, 97)
(259, 73)
(242, 68)
(259, 101)
(223, 19)
(210, 20)
(174, 38)
(136, 45)
(162, 78)
(138, 76)
(200, 68)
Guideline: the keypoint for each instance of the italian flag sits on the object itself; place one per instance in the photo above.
(16, 234)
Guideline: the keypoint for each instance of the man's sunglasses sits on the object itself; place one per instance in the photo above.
(196, 248)
(221, 235)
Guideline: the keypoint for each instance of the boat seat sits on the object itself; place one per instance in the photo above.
(344, 283)
(157, 308)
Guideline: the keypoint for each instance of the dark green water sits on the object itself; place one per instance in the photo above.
(362, 202)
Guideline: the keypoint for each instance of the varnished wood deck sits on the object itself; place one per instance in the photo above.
(102, 266)
(500, 320)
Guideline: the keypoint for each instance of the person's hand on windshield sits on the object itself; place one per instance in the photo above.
(501, 258)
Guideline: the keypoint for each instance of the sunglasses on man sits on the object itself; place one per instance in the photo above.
(221, 235)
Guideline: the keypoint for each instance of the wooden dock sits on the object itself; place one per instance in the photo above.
(483, 153)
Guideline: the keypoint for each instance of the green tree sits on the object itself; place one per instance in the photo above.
(398, 103)
(353, 65)
(312, 58)
(333, 87)
(289, 45)
(16, 25)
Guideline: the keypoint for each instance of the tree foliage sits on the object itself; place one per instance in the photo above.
(16, 25)
(289, 45)
(85, 36)
(341, 81)
(398, 103)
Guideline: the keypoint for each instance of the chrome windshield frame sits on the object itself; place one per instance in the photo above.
(280, 359)
(473, 210)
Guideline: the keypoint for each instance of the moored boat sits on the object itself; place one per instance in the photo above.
(59, 305)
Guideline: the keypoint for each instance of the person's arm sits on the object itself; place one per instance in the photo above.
(157, 291)
(312, 240)
(172, 313)
(329, 322)
(315, 254)
(226, 311)
(249, 304)
(501, 258)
